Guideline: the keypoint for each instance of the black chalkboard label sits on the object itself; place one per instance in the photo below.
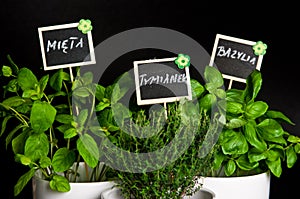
(235, 57)
(65, 46)
(161, 81)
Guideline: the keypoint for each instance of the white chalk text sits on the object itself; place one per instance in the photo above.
(65, 45)
(235, 54)
(162, 79)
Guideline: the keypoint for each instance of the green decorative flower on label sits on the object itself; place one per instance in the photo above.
(85, 26)
(182, 61)
(259, 48)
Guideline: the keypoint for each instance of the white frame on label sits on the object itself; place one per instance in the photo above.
(65, 26)
(159, 100)
(237, 40)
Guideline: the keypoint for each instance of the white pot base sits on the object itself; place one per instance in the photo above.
(245, 187)
(80, 190)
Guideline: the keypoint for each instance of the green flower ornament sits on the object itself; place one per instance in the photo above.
(182, 61)
(259, 48)
(85, 26)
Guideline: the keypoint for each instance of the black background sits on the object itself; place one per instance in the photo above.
(275, 24)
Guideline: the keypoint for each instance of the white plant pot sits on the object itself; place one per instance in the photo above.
(79, 190)
(245, 187)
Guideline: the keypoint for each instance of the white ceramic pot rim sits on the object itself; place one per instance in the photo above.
(78, 183)
(238, 177)
(236, 187)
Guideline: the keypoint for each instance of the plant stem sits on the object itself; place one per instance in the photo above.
(19, 116)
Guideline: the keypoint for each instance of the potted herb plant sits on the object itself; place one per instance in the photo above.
(252, 146)
(48, 135)
(158, 149)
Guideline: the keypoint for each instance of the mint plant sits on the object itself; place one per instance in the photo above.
(45, 132)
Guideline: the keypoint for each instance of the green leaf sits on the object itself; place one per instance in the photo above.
(45, 162)
(255, 155)
(36, 146)
(244, 163)
(11, 134)
(120, 112)
(218, 160)
(230, 168)
(82, 117)
(4, 122)
(293, 139)
(60, 184)
(269, 129)
(102, 105)
(64, 118)
(220, 93)
(13, 101)
(233, 142)
(116, 94)
(6, 71)
(234, 95)
(124, 82)
(279, 147)
(236, 123)
(211, 87)
(256, 109)
(87, 78)
(273, 154)
(12, 86)
(24, 160)
(22, 181)
(234, 107)
(43, 83)
(279, 140)
(42, 116)
(222, 105)
(25, 108)
(56, 80)
(88, 149)
(30, 93)
(275, 167)
(63, 159)
(18, 143)
(197, 88)
(64, 127)
(279, 115)
(82, 91)
(207, 101)
(100, 90)
(105, 118)
(297, 148)
(70, 133)
(291, 157)
(112, 128)
(253, 139)
(253, 86)
(214, 76)
(26, 79)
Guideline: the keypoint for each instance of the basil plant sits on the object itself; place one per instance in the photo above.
(253, 139)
